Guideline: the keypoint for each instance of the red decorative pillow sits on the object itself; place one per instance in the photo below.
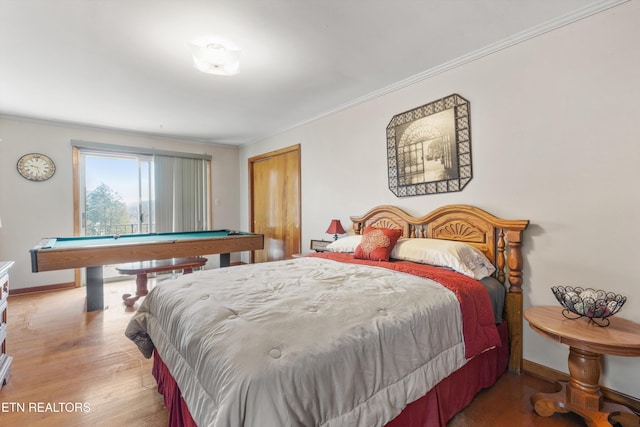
(377, 243)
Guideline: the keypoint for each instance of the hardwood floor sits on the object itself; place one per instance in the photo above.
(63, 354)
(507, 404)
(65, 357)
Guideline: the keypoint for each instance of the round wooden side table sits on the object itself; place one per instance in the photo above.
(587, 343)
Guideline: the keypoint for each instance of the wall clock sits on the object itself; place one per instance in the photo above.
(36, 167)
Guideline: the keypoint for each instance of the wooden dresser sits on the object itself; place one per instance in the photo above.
(5, 359)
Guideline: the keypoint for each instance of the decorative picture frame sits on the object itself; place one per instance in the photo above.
(429, 148)
(319, 245)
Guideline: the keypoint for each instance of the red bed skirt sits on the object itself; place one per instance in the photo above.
(435, 408)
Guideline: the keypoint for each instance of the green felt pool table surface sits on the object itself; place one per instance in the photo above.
(82, 241)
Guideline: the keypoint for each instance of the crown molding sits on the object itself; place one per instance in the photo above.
(545, 27)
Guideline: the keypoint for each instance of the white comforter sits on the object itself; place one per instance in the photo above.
(304, 342)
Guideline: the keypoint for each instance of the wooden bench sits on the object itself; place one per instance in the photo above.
(142, 268)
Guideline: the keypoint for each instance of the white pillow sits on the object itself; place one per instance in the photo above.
(345, 244)
(457, 256)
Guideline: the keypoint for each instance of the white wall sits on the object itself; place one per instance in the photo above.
(33, 210)
(555, 140)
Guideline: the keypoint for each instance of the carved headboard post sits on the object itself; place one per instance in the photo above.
(500, 257)
(515, 260)
(514, 301)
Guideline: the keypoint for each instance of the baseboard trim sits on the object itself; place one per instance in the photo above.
(47, 288)
(550, 374)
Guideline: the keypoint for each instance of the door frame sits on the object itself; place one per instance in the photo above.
(255, 159)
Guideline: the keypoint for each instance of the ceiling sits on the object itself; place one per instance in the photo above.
(126, 64)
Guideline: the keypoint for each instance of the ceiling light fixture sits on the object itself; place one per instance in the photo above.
(215, 56)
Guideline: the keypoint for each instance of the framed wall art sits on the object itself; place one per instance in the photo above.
(429, 148)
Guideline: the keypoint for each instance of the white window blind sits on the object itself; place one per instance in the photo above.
(181, 199)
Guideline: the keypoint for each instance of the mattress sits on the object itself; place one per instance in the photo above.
(309, 341)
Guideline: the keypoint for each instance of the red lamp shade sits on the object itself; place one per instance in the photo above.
(335, 228)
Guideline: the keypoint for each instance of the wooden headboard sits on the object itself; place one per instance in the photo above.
(499, 239)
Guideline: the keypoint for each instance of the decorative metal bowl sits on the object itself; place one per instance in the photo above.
(597, 305)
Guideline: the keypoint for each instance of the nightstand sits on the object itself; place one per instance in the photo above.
(319, 245)
(5, 360)
(587, 343)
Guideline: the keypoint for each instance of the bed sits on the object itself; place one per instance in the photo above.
(342, 339)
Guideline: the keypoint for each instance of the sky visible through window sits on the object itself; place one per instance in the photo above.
(120, 174)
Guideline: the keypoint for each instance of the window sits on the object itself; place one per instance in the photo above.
(116, 193)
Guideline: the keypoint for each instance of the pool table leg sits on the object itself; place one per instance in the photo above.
(225, 260)
(95, 291)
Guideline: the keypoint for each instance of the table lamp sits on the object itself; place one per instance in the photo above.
(335, 228)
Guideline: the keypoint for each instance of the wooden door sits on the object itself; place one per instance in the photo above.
(274, 180)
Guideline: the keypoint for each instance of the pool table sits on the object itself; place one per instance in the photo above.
(94, 252)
